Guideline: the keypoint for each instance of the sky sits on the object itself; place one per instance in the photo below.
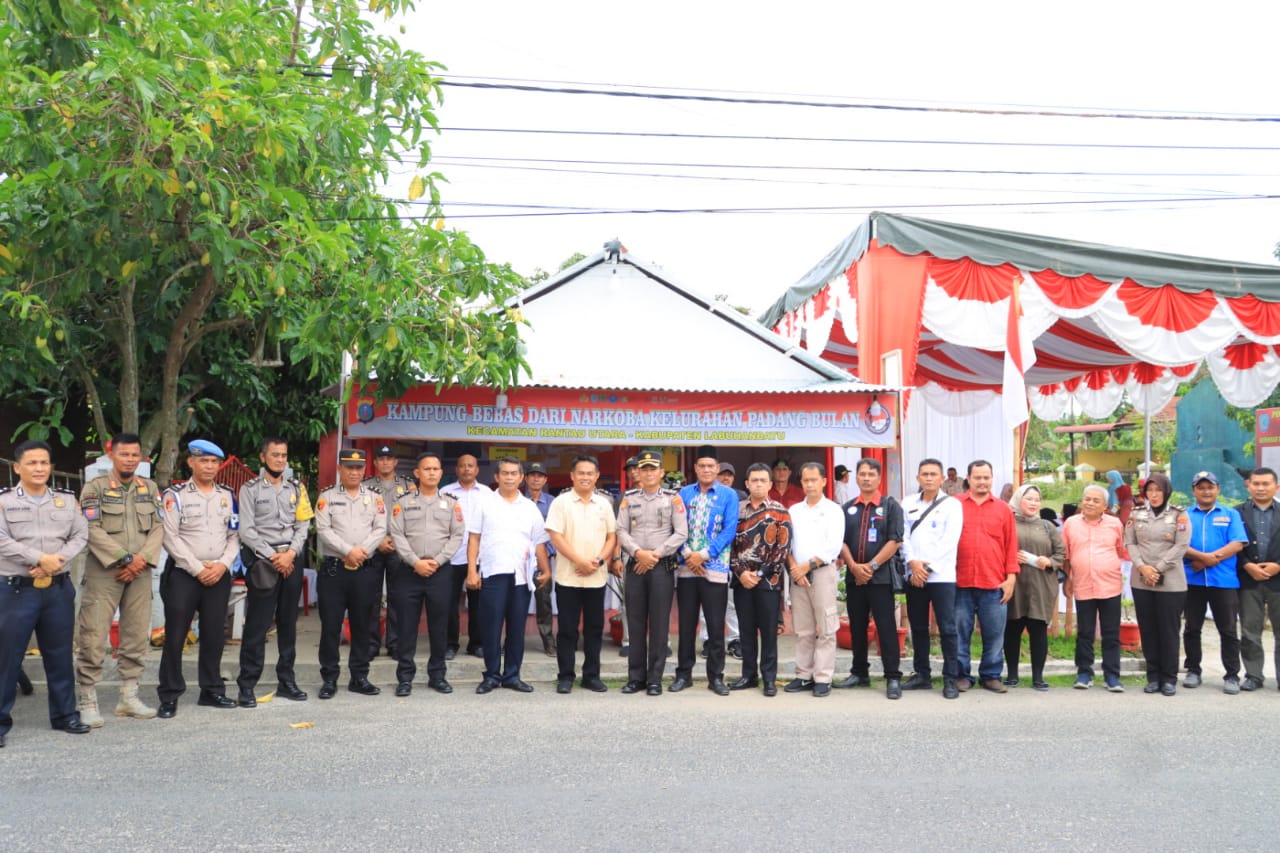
(1180, 184)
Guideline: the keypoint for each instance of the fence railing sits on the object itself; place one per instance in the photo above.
(59, 479)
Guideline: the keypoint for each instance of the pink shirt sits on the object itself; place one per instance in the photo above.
(1094, 551)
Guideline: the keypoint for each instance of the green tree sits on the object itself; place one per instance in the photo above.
(190, 187)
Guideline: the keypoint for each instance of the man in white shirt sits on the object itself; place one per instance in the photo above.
(933, 521)
(843, 493)
(506, 540)
(819, 533)
(469, 494)
(582, 529)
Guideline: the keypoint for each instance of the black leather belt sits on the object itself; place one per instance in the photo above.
(18, 580)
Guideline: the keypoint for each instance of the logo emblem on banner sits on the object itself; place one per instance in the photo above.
(364, 409)
(878, 418)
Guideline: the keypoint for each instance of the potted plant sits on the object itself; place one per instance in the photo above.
(1130, 637)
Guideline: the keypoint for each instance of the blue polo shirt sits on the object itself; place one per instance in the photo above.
(1209, 531)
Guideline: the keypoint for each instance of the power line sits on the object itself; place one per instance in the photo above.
(847, 105)
(860, 140)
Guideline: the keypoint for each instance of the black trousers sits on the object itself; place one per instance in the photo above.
(1104, 612)
(1159, 621)
(384, 566)
(649, 620)
(758, 629)
(1226, 609)
(943, 598)
(343, 592)
(872, 600)
(183, 597)
(585, 604)
(261, 606)
(459, 571)
(414, 593)
(692, 595)
(1038, 633)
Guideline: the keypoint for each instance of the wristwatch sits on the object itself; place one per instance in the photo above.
(875, 567)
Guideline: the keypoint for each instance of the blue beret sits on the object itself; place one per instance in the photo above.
(200, 447)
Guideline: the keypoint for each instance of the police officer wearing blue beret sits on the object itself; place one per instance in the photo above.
(41, 529)
(200, 536)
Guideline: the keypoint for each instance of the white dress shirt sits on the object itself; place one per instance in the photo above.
(510, 532)
(935, 539)
(468, 499)
(819, 530)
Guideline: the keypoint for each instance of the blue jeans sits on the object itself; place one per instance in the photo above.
(985, 604)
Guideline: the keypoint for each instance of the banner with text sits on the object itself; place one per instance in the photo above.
(554, 415)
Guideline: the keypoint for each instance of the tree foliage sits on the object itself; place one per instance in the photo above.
(191, 187)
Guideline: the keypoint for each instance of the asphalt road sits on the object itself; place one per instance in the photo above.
(1065, 770)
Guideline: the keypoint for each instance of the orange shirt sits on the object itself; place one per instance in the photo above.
(1094, 551)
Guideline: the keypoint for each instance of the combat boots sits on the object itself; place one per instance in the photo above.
(130, 705)
(89, 708)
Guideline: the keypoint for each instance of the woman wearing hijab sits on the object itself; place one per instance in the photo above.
(1119, 497)
(1156, 536)
(1035, 596)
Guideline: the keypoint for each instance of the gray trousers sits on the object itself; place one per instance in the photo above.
(1255, 605)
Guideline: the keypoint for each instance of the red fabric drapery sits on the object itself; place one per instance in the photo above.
(1166, 306)
(967, 279)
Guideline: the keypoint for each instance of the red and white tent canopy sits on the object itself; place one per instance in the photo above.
(1096, 321)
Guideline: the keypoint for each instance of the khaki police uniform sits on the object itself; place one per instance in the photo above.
(650, 521)
(199, 527)
(274, 518)
(124, 521)
(31, 526)
(387, 569)
(1159, 541)
(344, 522)
(424, 528)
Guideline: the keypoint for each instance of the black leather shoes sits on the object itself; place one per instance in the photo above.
(440, 686)
(1152, 687)
(246, 699)
(734, 649)
(1169, 689)
(853, 681)
(632, 687)
(679, 684)
(564, 686)
(718, 687)
(74, 727)
(595, 685)
(653, 690)
(364, 687)
(476, 651)
(486, 686)
(893, 688)
(289, 690)
(450, 653)
(950, 690)
(167, 710)
(916, 681)
(403, 689)
(799, 685)
(770, 688)
(821, 690)
(215, 700)
(744, 683)
(518, 686)
(328, 689)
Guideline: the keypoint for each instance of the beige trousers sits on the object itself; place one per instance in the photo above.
(101, 596)
(814, 618)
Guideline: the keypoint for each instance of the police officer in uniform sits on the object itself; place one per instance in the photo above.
(200, 536)
(125, 539)
(41, 529)
(385, 564)
(351, 521)
(427, 529)
(652, 526)
(275, 514)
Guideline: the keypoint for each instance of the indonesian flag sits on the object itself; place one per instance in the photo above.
(1019, 355)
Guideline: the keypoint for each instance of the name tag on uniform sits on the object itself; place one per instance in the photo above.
(871, 536)
(1221, 521)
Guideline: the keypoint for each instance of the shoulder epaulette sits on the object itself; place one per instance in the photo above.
(602, 493)
(6, 490)
(450, 495)
(253, 481)
(674, 493)
(632, 492)
(63, 491)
